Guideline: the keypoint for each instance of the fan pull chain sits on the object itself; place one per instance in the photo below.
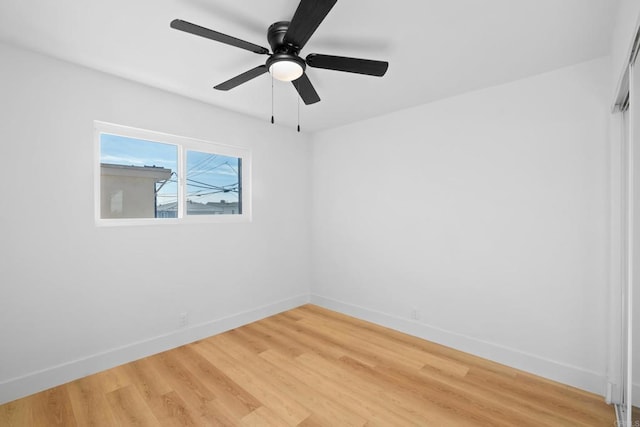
(272, 121)
(298, 106)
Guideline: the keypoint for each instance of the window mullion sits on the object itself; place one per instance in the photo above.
(182, 172)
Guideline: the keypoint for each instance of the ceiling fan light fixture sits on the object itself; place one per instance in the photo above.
(286, 68)
(286, 71)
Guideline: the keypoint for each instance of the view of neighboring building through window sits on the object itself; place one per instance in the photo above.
(140, 178)
(136, 176)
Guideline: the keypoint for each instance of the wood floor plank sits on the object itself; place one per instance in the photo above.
(329, 411)
(174, 411)
(568, 400)
(112, 379)
(130, 408)
(311, 367)
(371, 350)
(263, 417)
(530, 409)
(322, 340)
(53, 408)
(446, 390)
(273, 339)
(144, 375)
(258, 385)
(197, 396)
(411, 356)
(166, 404)
(89, 403)
(151, 386)
(395, 338)
(237, 401)
(311, 339)
(381, 394)
(369, 409)
(250, 341)
(17, 413)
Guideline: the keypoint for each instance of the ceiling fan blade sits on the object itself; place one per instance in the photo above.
(350, 65)
(242, 78)
(306, 90)
(188, 27)
(306, 20)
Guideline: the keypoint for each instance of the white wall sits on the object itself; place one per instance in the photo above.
(75, 298)
(486, 213)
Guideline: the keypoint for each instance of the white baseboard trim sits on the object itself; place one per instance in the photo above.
(635, 395)
(34, 382)
(553, 370)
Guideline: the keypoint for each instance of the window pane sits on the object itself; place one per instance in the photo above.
(137, 178)
(214, 185)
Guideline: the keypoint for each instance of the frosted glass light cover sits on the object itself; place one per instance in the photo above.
(286, 71)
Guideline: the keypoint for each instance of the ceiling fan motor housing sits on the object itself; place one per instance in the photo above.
(281, 50)
(275, 36)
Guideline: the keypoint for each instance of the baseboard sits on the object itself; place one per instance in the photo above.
(34, 382)
(553, 370)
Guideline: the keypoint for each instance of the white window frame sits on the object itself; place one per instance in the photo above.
(183, 145)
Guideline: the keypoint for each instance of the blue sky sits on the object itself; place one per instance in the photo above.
(210, 177)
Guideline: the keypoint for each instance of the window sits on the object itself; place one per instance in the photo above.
(145, 177)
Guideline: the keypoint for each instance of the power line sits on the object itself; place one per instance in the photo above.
(211, 169)
(206, 159)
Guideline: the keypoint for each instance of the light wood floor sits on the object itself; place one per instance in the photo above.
(310, 367)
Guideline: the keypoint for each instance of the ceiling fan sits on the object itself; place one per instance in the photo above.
(287, 40)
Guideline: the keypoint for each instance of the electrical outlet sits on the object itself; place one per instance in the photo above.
(183, 320)
(415, 314)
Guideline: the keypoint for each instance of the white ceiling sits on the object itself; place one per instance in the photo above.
(436, 48)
